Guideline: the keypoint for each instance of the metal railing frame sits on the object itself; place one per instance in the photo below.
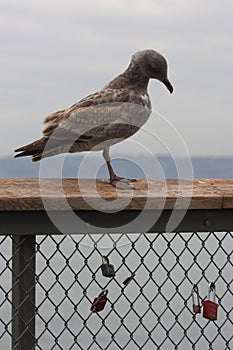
(28, 224)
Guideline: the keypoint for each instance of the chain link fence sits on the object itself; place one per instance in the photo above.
(153, 311)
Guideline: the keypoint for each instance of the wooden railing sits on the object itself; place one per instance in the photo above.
(205, 204)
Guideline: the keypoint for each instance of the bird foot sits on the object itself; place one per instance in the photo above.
(123, 179)
(122, 183)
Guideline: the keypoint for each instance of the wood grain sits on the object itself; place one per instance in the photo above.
(85, 194)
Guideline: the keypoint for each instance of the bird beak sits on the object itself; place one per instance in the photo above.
(168, 85)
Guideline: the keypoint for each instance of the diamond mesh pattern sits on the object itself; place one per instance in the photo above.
(153, 311)
(5, 292)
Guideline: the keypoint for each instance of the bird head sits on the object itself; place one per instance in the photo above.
(153, 66)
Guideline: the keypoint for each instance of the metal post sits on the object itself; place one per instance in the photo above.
(23, 293)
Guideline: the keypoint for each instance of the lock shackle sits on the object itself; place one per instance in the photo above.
(212, 288)
(195, 291)
(105, 260)
(103, 293)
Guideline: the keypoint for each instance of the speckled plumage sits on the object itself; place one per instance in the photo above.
(105, 117)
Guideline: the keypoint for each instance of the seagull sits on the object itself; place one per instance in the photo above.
(105, 117)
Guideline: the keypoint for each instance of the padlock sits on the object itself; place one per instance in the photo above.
(99, 302)
(210, 308)
(196, 306)
(129, 279)
(107, 269)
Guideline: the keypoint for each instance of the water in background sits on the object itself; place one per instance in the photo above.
(127, 165)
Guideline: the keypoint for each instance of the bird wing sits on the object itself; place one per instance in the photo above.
(93, 116)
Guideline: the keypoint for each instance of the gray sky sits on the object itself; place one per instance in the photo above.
(55, 52)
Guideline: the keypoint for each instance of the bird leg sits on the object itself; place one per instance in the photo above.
(116, 181)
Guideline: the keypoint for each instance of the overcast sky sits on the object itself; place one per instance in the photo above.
(55, 52)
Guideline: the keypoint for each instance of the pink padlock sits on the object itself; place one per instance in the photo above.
(210, 308)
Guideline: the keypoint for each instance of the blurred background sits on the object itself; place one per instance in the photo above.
(54, 53)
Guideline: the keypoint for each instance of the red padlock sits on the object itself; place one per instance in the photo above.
(99, 302)
(210, 308)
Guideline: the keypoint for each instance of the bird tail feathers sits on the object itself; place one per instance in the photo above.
(34, 149)
(43, 148)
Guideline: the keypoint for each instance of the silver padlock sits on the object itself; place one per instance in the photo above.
(196, 305)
